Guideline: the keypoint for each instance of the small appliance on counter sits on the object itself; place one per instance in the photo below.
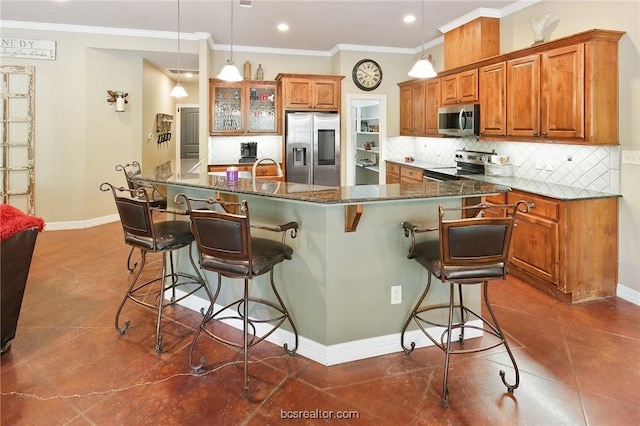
(248, 152)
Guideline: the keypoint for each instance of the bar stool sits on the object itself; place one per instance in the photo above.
(156, 200)
(164, 237)
(227, 248)
(468, 251)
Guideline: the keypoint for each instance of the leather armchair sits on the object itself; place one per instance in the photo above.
(15, 259)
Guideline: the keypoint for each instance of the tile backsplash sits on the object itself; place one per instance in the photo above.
(588, 167)
(226, 149)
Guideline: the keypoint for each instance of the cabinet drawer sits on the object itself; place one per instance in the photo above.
(541, 206)
(497, 199)
(265, 170)
(393, 168)
(411, 173)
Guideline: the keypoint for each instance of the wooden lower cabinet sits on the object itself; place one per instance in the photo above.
(568, 248)
(263, 171)
(393, 173)
(398, 173)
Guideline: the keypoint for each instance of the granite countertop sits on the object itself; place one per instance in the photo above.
(324, 195)
(551, 190)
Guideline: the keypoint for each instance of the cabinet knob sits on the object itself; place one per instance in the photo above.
(535, 133)
(544, 133)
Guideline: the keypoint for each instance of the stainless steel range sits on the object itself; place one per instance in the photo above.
(467, 163)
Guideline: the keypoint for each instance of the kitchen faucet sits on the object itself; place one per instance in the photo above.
(279, 173)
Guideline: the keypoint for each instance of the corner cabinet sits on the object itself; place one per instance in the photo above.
(311, 92)
(419, 103)
(249, 106)
(567, 248)
(399, 173)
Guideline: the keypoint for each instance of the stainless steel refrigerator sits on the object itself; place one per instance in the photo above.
(312, 144)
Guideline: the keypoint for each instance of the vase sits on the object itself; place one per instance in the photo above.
(259, 73)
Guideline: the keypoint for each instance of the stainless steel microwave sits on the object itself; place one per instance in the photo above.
(459, 120)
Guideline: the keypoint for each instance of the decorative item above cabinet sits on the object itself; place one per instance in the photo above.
(248, 106)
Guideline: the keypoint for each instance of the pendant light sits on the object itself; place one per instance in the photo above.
(422, 68)
(230, 72)
(178, 91)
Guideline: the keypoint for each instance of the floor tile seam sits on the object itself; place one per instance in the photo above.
(57, 393)
(430, 369)
(357, 406)
(584, 393)
(532, 373)
(53, 346)
(276, 390)
(600, 331)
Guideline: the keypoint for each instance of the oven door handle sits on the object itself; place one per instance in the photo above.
(462, 120)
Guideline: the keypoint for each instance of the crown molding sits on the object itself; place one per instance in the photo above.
(25, 25)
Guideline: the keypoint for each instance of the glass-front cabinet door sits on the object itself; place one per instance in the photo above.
(226, 109)
(262, 109)
(248, 106)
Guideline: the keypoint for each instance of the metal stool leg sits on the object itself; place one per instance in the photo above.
(245, 338)
(291, 352)
(161, 300)
(412, 316)
(122, 330)
(445, 386)
(208, 315)
(510, 388)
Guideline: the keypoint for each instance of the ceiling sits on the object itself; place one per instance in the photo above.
(317, 25)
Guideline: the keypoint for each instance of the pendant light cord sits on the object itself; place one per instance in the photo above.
(231, 57)
(178, 41)
(422, 28)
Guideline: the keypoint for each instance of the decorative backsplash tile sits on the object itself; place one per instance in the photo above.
(226, 149)
(587, 167)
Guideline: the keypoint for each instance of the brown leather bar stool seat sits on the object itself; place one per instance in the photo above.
(227, 248)
(157, 201)
(141, 232)
(468, 251)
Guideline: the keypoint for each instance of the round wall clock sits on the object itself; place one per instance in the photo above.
(367, 74)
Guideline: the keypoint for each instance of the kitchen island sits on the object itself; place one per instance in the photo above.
(349, 252)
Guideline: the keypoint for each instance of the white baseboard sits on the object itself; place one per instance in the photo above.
(81, 224)
(628, 294)
(341, 352)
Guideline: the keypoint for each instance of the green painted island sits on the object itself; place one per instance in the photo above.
(350, 250)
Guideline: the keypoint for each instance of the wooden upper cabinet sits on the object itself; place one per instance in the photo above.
(565, 90)
(523, 96)
(432, 103)
(471, 42)
(412, 108)
(311, 92)
(493, 104)
(460, 88)
(562, 93)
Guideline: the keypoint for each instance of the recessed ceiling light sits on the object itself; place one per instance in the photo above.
(188, 74)
(283, 27)
(409, 19)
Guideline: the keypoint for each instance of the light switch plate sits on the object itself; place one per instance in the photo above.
(631, 157)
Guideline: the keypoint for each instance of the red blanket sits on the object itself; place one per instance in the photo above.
(12, 221)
